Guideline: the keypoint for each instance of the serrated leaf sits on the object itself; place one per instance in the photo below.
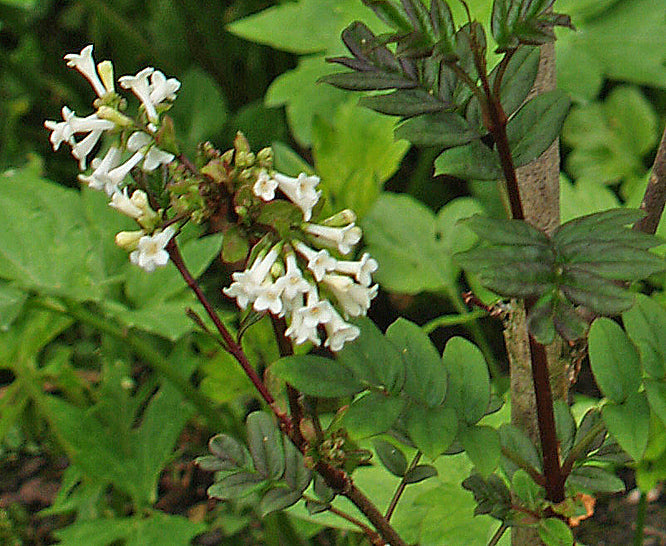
(645, 323)
(629, 423)
(278, 499)
(594, 292)
(594, 480)
(425, 375)
(445, 129)
(391, 457)
(431, 429)
(419, 473)
(555, 532)
(404, 102)
(516, 442)
(367, 81)
(317, 376)
(518, 79)
(236, 486)
(506, 232)
(599, 226)
(265, 444)
(614, 360)
(536, 125)
(384, 409)
(482, 445)
(472, 161)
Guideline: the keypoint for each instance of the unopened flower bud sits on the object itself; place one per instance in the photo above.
(241, 144)
(128, 240)
(105, 71)
(340, 219)
(111, 114)
(265, 158)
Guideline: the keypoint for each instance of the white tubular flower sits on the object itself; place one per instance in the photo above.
(265, 186)
(292, 282)
(353, 298)
(61, 131)
(140, 87)
(154, 157)
(150, 252)
(268, 298)
(316, 311)
(161, 88)
(114, 178)
(84, 63)
(122, 203)
(247, 284)
(361, 270)
(298, 332)
(99, 178)
(338, 332)
(343, 238)
(81, 149)
(89, 123)
(301, 191)
(319, 262)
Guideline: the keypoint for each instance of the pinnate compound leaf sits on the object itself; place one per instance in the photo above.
(384, 410)
(228, 454)
(278, 499)
(594, 480)
(404, 102)
(317, 376)
(492, 495)
(645, 323)
(296, 475)
(266, 445)
(425, 375)
(536, 125)
(629, 423)
(614, 360)
(555, 532)
(431, 429)
(420, 472)
(391, 457)
(236, 486)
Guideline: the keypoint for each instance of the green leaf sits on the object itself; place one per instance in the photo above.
(317, 376)
(391, 457)
(536, 125)
(656, 395)
(228, 453)
(365, 140)
(445, 129)
(589, 421)
(565, 426)
(614, 360)
(506, 232)
(419, 473)
(472, 161)
(235, 245)
(236, 486)
(524, 487)
(492, 495)
(278, 499)
(594, 480)
(413, 247)
(516, 442)
(384, 409)
(629, 423)
(645, 323)
(403, 102)
(265, 444)
(425, 375)
(373, 359)
(555, 532)
(482, 445)
(11, 304)
(431, 429)
(518, 79)
(296, 475)
(469, 381)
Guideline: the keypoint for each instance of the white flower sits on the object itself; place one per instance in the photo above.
(84, 63)
(99, 178)
(161, 88)
(338, 332)
(292, 282)
(64, 132)
(353, 298)
(89, 123)
(319, 262)
(362, 270)
(141, 88)
(61, 131)
(298, 332)
(154, 157)
(265, 186)
(344, 238)
(122, 203)
(81, 149)
(301, 191)
(268, 298)
(305, 319)
(113, 178)
(150, 252)
(247, 284)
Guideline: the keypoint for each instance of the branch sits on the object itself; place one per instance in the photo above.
(655, 193)
(401, 486)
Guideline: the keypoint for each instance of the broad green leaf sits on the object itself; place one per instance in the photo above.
(365, 140)
(555, 532)
(391, 457)
(228, 452)
(296, 475)
(472, 161)
(236, 486)
(373, 359)
(278, 499)
(629, 423)
(594, 480)
(524, 487)
(656, 395)
(491, 494)
(518, 78)
(614, 360)
(425, 375)
(431, 429)
(565, 426)
(11, 304)
(536, 125)
(469, 382)
(384, 410)
(645, 323)
(419, 473)
(589, 421)
(403, 102)
(652, 469)
(317, 376)
(265, 444)
(518, 444)
(413, 247)
(443, 129)
(584, 197)
(482, 445)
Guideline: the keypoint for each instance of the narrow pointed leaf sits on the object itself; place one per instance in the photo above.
(592, 225)
(228, 451)
(391, 457)
(404, 102)
(593, 480)
(518, 78)
(590, 420)
(444, 129)
(565, 426)
(506, 232)
(392, 13)
(419, 473)
(265, 444)
(594, 292)
(367, 81)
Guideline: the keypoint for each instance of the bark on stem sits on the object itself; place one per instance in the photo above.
(655, 193)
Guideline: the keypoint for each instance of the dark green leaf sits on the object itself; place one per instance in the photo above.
(472, 161)
(594, 480)
(518, 78)
(469, 381)
(391, 457)
(444, 129)
(594, 292)
(596, 226)
(229, 452)
(235, 245)
(656, 395)
(367, 81)
(555, 532)
(525, 488)
(518, 444)
(646, 325)
(404, 102)
(614, 360)
(296, 475)
(317, 376)
(482, 445)
(265, 444)
(432, 429)
(612, 260)
(323, 491)
(391, 13)
(565, 426)
(444, 28)
(372, 414)
(590, 420)
(536, 125)
(506, 232)
(419, 473)
(629, 423)
(492, 495)
(278, 499)
(235, 486)
(425, 376)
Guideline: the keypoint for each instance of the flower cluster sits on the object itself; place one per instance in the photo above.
(300, 279)
(134, 145)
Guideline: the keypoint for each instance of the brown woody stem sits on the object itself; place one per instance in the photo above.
(655, 193)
